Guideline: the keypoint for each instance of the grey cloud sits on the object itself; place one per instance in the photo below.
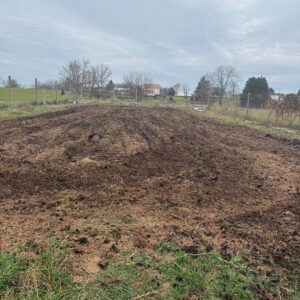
(173, 40)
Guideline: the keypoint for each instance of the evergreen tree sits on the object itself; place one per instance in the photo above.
(171, 92)
(110, 86)
(203, 90)
(259, 92)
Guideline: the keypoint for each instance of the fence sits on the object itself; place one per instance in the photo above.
(13, 95)
(277, 110)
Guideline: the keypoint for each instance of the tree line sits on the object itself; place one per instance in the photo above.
(81, 76)
(223, 84)
(78, 75)
(217, 85)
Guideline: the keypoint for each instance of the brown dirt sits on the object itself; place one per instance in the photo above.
(107, 179)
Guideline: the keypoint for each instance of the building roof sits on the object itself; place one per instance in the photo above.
(153, 86)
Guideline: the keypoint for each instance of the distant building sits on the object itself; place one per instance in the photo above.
(122, 91)
(153, 90)
(277, 97)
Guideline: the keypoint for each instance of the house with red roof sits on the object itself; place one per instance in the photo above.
(153, 90)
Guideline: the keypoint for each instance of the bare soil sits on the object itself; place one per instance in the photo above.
(107, 179)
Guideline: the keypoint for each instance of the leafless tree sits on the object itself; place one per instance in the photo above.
(233, 88)
(71, 74)
(223, 78)
(79, 74)
(85, 73)
(138, 83)
(185, 89)
(100, 76)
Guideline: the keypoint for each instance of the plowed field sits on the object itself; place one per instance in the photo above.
(107, 179)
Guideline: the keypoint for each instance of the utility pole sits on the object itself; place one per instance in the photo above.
(136, 95)
(36, 91)
(9, 91)
(248, 103)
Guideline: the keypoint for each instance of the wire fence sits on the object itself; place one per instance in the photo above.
(13, 96)
(278, 110)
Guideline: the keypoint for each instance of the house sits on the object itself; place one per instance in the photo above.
(122, 91)
(277, 97)
(153, 90)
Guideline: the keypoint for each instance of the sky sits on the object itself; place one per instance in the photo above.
(171, 40)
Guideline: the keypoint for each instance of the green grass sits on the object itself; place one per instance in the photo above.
(283, 132)
(28, 273)
(265, 117)
(169, 273)
(26, 96)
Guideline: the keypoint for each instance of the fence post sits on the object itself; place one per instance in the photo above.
(248, 102)
(44, 98)
(36, 91)
(56, 99)
(9, 92)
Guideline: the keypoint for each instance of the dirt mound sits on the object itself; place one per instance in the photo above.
(132, 177)
(130, 148)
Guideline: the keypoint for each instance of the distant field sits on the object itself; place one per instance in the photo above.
(27, 96)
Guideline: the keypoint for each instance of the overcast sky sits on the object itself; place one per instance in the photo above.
(172, 40)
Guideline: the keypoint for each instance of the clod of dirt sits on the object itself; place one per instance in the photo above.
(94, 137)
(78, 250)
(140, 242)
(82, 240)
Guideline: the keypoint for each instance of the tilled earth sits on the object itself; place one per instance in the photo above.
(107, 179)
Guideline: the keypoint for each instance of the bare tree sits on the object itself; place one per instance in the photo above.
(71, 75)
(79, 74)
(100, 76)
(185, 89)
(138, 83)
(223, 78)
(233, 88)
(85, 73)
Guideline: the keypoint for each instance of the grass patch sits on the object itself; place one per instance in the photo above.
(28, 273)
(25, 96)
(262, 119)
(169, 273)
(284, 132)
